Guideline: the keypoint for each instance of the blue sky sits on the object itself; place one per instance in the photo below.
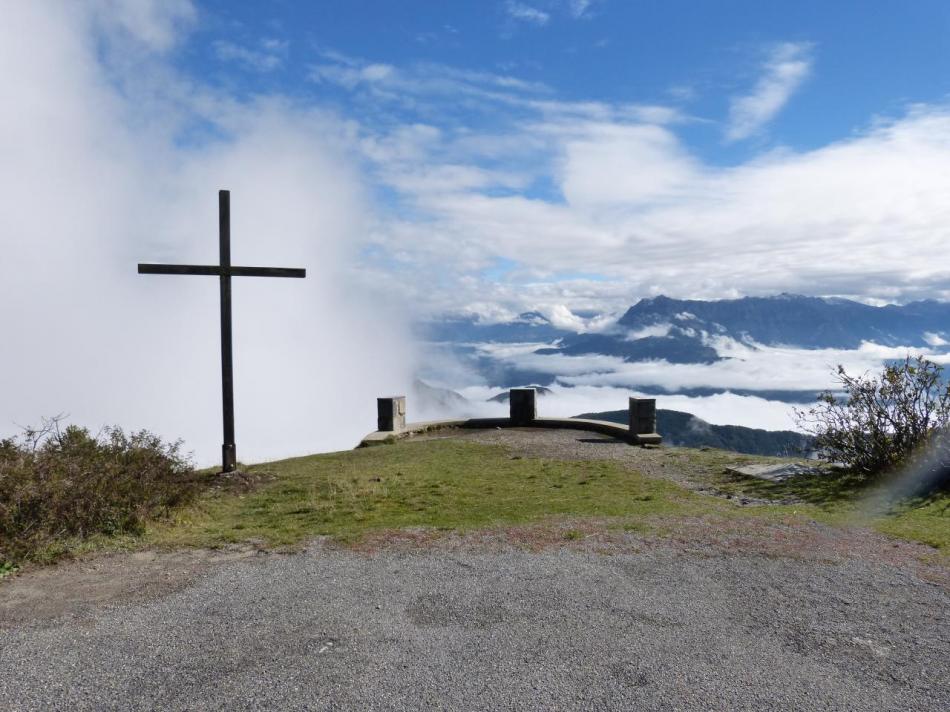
(568, 156)
(485, 158)
(866, 59)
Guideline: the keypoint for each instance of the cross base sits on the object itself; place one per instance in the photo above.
(228, 457)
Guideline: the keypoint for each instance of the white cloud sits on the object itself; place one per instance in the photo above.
(719, 409)
(745, 367)
(349, 76)
(658, 329)
(269, 57)
(526, 13)
(579, 7)
(617, 164)
(631, 204)
(106, 345)
(157, 24)
(787, 67)
(415, 84)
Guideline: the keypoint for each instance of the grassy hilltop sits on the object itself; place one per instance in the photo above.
(450, 484)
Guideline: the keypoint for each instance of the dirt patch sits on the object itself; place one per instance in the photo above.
(702, 536)
(77, 588)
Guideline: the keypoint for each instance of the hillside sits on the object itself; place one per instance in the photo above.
(686, 430)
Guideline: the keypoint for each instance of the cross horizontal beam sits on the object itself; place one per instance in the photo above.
(217, 271)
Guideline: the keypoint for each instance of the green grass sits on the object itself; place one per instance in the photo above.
(454, 485)
(7, 569)
(459, 486)
(441, 484)
(839, 498)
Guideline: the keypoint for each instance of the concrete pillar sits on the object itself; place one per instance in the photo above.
(642, 416)
(522, 405)
(391, 413)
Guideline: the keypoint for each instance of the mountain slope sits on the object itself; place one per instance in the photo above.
(685, 429)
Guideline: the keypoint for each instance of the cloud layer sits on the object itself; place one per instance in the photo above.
(594, 205)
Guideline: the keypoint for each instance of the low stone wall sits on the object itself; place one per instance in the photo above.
(522, 402)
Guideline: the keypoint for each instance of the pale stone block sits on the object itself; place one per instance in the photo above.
(391, 413)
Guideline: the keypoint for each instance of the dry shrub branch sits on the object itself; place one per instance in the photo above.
(884, 422)
(61, 483)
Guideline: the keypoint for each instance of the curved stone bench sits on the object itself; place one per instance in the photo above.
(616, 430)
(392, 424)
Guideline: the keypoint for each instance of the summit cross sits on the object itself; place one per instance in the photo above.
(224, 270)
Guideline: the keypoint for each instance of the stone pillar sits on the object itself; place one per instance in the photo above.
(642, 416)
(391, 413)
(521, 403)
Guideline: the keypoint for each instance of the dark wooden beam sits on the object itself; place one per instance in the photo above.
(268, 272)
(215, 270)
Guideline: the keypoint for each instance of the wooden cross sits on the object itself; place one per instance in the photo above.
(224, 271)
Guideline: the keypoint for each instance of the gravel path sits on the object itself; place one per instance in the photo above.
(499, 630)
(514, 619)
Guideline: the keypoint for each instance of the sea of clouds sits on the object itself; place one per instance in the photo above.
(594, 383)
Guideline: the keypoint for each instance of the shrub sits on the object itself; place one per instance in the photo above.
(60, 483)
(882, 421)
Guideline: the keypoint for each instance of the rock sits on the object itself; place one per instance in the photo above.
(773, 472)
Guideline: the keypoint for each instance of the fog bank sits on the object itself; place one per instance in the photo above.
(109, 159)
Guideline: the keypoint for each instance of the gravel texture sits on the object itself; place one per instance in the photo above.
(515, 619)
(458, 628)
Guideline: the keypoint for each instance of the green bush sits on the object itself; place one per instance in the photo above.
(60, 484)
(883, 422)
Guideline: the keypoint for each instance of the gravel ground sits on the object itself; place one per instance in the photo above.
(764, 618)
(461, 629)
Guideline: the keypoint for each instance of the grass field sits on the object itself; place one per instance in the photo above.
(448, 484)
(460, 486)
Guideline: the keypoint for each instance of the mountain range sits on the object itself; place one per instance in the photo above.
(683, 331)
(662, 327)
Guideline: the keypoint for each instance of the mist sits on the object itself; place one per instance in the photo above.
(566, 402)
(111, 158)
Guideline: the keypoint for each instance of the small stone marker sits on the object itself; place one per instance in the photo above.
(642, 416)
(391, 413)
(522, 405)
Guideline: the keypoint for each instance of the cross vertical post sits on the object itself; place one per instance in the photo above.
(224, 270)
(228, 448)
